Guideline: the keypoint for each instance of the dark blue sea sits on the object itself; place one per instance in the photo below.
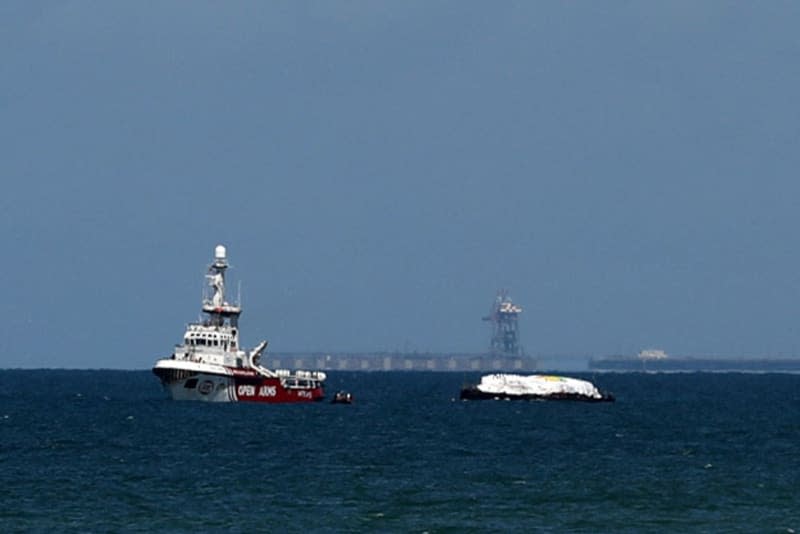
(105, 451)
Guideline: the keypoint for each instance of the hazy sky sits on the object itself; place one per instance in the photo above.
(377, 170)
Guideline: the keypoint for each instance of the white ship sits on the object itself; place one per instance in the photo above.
(652, 354)
(210, 365)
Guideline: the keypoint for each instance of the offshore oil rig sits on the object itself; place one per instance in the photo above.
(505, 329)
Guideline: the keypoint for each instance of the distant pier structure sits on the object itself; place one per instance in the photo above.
(400, 361)
(505, 353)
(505, 328)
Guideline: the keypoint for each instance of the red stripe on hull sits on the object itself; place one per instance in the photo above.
(270, 390)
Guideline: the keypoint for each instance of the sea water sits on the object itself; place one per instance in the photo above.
(106, 451)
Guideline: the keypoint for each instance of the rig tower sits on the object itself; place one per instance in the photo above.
(505, 333)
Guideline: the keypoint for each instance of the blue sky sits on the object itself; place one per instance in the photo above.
(377, 170)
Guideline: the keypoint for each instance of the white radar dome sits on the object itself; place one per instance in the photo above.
(219, 252)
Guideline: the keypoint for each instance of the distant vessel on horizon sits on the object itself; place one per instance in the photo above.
(652, 354)
(656, 360)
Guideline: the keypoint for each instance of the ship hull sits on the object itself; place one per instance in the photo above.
(473, 393)
(696, 365)
(232, 385)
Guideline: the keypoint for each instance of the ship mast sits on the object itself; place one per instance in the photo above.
(216, 306)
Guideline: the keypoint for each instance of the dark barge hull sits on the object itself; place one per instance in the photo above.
(696, 364)
(473, 393)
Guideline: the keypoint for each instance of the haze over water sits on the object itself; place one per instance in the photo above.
(379, 169)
